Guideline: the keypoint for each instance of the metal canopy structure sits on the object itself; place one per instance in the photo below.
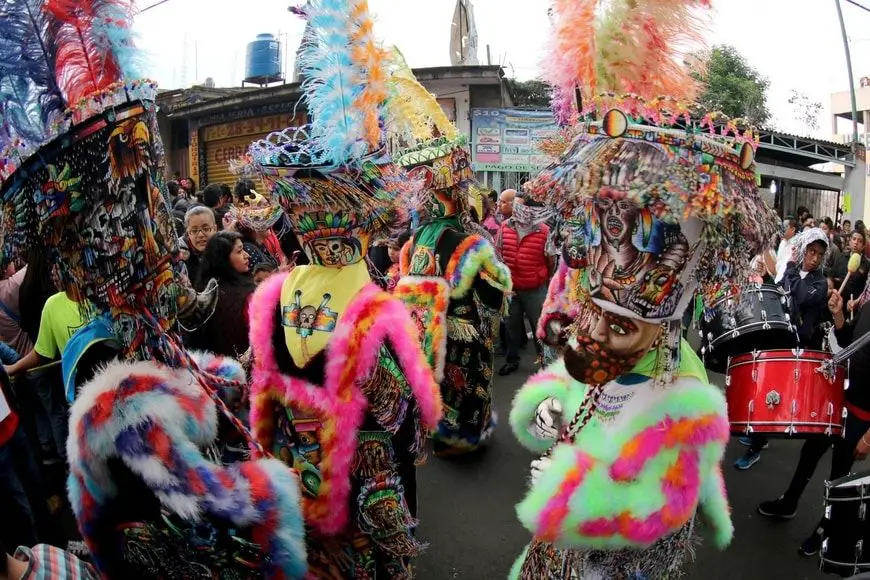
(804, 150)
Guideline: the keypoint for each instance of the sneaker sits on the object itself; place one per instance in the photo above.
(749, 459)
(747, 441)
(812, 544)
(777, 509)
(508, 368)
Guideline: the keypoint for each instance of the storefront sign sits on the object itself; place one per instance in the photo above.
(255, 126)
(507, 139)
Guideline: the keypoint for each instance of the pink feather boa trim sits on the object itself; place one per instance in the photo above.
(372, 318)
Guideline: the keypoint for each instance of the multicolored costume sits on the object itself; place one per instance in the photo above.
(82, 175)
(653, 204)
(341, 391)
(452, 280)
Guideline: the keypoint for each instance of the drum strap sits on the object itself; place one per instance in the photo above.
(852, 348)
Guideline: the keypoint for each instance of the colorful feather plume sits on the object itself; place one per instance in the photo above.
(329, 87)
(30, 94)
(643, 47)
(370, 60)
(345, 79)
(53, 53)
(85, 63)
(638, 47)
(571, 55)
(414, 114)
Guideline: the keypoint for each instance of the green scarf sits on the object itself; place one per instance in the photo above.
(429, 234)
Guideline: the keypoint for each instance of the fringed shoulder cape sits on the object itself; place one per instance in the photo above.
(346, 424)
(630, 481)
(137, 435)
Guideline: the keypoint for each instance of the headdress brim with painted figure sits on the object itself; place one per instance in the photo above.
(681, 200)
(333, 177)
(656, 198)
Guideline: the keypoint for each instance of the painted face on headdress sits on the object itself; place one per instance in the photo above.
(636, 265)
(331, 238)
(98, 203)
(442, 177)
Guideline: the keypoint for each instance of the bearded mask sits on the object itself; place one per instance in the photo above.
(601, 346)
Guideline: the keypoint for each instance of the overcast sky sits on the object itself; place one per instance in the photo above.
(795, 43)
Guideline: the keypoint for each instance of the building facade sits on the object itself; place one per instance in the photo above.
(203, 132)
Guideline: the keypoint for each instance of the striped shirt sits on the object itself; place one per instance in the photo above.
(46, 562)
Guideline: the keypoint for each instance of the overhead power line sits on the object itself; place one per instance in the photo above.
(861, 6)
(155, 5)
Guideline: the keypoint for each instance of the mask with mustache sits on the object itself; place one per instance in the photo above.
(601, 346)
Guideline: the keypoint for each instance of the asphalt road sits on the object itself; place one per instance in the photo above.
(467, 510)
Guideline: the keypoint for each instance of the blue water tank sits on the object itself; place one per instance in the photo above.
(263, 63)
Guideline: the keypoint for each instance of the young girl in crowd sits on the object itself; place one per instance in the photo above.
(225, 260)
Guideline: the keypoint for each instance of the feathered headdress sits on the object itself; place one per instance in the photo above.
(60, 63)
(637, 144)
(637, 48)
(338, 160)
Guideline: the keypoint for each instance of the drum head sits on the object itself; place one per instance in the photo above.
(758, 320)
(854, 480)
(716, 359)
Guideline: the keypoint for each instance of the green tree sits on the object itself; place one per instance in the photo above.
(731, 85)
(531, 93)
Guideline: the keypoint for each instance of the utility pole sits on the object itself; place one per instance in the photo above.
(851, 78)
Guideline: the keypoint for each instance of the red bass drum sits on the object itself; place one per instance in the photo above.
(785, 392)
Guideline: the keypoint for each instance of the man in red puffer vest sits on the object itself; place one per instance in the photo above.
(522, 241)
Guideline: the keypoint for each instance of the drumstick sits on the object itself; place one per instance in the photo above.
(854, 264)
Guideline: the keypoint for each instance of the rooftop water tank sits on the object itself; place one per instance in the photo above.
(263, 63)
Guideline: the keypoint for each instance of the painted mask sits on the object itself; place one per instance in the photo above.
(601, 345)
(331, 238)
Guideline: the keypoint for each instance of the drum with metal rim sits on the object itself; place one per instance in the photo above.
(757, 319)
(846, 545)
(785, 392)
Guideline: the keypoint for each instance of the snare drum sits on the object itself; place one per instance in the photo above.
(759, 319)
(846, 546)
(784, 392)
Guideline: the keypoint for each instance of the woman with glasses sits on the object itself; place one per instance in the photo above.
(199, 227)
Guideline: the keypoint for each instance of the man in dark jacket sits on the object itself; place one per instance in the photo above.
(845, 447)
(808, 288)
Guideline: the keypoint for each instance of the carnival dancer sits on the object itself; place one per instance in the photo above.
(341, 390)
(452, 281)
(655, 205)
(82, 175)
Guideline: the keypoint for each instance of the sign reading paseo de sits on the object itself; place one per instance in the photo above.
(508, 139)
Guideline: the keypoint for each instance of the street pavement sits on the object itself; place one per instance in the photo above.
(467, 509)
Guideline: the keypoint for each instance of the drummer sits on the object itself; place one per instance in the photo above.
(808, 287)
(856, 282)
(856, 434)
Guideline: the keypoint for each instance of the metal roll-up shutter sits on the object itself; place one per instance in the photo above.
(219, 153)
